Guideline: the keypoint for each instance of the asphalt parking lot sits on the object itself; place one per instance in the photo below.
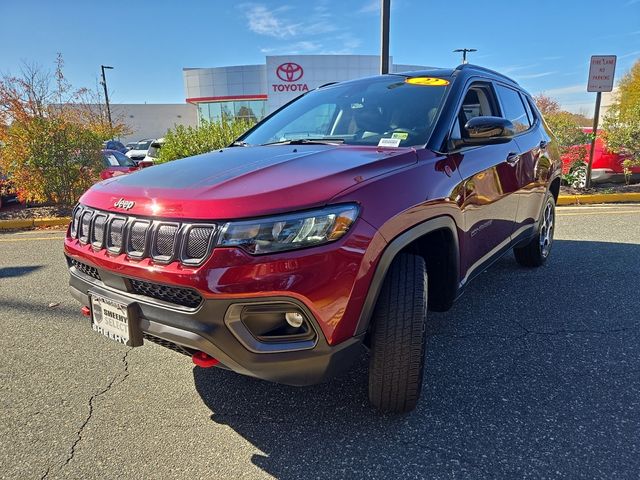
(533, 374)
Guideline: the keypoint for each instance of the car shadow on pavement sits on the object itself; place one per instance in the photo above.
(8, 272)
(533, 373)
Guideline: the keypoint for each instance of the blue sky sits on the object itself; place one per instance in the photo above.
(543, 44)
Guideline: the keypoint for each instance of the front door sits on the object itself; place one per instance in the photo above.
(490, 181)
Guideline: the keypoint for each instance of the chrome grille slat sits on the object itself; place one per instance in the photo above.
(97, 232)
(84, 226)
(137, 237)
(163, 241)
(197, 243)
(115, 234)
(75, 220)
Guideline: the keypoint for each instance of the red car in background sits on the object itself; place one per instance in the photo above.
(116, 164)
(607, 165)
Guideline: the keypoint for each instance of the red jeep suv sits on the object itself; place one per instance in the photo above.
(331, 226)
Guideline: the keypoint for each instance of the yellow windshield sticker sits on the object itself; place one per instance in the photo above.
(427, 81)
(400, 135)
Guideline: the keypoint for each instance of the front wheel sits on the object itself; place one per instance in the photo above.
(536, 252)
(398, 336)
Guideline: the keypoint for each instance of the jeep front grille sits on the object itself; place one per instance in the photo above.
(163, 241)
(167, 293)
(84, 268)
(180, 296)
(168, 344)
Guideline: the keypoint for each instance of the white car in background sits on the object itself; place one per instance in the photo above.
(138, 152)
(153, 152)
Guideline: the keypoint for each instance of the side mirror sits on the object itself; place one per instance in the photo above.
(487, 131)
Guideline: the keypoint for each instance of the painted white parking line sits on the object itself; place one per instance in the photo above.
(28, 239)
(611, 212)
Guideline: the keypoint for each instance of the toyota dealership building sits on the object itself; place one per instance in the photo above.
(253, 91)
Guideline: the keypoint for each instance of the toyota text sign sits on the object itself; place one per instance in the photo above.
(601, 73)
(290, 75)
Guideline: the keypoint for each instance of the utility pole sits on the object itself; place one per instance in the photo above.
(106, 94)
(385, 10)
(464, 53)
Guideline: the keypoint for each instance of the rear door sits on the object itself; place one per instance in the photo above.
(489, 183)
(532, 165)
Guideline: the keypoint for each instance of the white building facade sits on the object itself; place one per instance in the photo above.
(145, 121)
(253, 91)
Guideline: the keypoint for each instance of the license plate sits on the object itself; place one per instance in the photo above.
(111, 319)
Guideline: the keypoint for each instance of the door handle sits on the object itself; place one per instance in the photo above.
(543, 144)
(513, 158)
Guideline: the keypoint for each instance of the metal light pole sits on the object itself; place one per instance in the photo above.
(106, 95)
(385, 8)
(464, 53)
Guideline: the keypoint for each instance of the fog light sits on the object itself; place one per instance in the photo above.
(294, 319)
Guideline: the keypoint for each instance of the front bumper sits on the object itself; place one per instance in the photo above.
(204, 329)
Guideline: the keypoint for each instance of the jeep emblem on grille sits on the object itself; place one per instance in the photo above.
(124, 204)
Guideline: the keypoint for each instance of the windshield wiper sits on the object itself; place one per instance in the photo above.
(308, 141)
(239, 143)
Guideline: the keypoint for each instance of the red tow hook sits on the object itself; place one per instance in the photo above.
(86, 311)
(203, 360)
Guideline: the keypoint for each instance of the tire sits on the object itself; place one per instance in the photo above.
(398, 336)
(536, 252)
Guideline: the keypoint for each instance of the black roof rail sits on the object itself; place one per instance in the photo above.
(471, 66)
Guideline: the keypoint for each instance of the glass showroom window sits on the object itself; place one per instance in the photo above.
(252, 110)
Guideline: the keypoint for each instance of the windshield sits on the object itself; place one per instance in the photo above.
(144, 145)
(361, 112)
(117, 159)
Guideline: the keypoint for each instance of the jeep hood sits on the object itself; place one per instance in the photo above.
(246, 181)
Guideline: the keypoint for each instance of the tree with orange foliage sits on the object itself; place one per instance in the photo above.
(50, 135)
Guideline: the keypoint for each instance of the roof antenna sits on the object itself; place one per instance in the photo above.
(464, 53)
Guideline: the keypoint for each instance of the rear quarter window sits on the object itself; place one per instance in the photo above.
(527, 106)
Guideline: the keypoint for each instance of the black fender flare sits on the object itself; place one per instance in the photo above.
(393, 248)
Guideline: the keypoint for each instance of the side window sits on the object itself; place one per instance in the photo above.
(479, 101)
(513, 108)
(527, 106)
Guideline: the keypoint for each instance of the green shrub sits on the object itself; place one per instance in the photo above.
(184, 141)
(567, 130)
(51, 160)
(622, 135)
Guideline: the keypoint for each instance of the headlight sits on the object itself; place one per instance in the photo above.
(288, 232)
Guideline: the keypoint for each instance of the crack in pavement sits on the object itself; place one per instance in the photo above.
(122, 377)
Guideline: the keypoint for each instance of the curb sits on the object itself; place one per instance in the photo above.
(598, 198)
(34, 222)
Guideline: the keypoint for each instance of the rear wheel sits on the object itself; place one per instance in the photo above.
(536, 252)
(398, 336)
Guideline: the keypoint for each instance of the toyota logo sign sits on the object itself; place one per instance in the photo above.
(289, 72)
